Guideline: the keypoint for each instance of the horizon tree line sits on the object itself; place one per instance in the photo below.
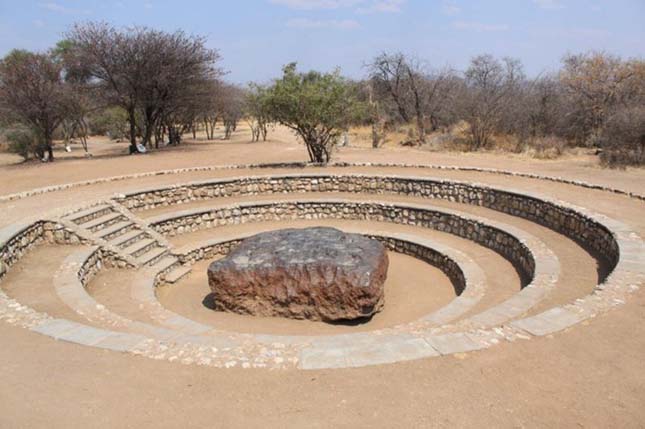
(153, 87)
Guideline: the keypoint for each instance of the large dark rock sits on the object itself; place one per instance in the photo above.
(313, 273)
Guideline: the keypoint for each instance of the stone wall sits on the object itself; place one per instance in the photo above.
(96, 261)
(589, 233)
(16, 240)
(449, 267)
(505, 244)
(303, 165)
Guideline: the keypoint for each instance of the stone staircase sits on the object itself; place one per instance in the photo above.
(116, 228)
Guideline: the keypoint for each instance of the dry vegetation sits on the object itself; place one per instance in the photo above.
(154, 87)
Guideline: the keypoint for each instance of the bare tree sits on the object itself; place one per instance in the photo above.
(415, 90)
(488, 88)
(257, 112)
(75, 125)
(179, 117)
(143, 71)
(231, 104)
(32, 90)
(181, 68)
(210, 111)
(544, 105)
(623, 137)
(388, 72)
(378, 117)
(596, 84)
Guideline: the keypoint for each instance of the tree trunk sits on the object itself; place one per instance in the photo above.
(208, 133)
(264, 131)
(84, 131)
(317, 150)
(421, 128)
(434, 124)
(147, 136)
(48, 145)
(133, 130)
(213, 126)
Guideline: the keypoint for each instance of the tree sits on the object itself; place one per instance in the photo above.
(80, 96)
(544, 106)
(180, 116)
(210, 111)
(22, 140)
(111, 122)
(416, 91)
(32, 90)
(317, 106)
(231, 104)
(257, 111)
(623, 137)
(144, 71)
(489, 87)
(596, 84)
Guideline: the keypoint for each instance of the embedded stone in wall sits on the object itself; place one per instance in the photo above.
(313, 273)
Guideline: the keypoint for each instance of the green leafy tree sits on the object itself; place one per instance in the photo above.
(317, 106)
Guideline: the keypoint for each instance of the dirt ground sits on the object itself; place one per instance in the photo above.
(592, 375)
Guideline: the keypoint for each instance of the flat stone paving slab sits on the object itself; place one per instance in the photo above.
(86, 335)
(323, 358)
(122, 342)
(390, 350)
(454, 343)
(548, 322)
(55, 328)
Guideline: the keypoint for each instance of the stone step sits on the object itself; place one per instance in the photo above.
(103, 222)
(165, 263)
(89, 214)
(115, 230)
(140, 247)
(177, 273)
(124, 240)
(149, 258)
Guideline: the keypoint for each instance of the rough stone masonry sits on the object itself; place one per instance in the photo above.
(312, 273)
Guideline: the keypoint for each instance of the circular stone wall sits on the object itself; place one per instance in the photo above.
(111, 235)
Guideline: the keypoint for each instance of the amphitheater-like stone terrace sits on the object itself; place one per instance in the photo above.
(116, 236)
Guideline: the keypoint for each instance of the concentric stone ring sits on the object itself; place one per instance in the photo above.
(137, 231)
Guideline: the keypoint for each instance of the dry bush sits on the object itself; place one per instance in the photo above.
(623, 139)
(507, 143)
(22, 141)
(549, 147)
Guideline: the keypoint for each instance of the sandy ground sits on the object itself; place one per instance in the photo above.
(579, 274)
(592, 375)
(412, 290)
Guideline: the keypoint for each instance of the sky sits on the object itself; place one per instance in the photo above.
(257, 37)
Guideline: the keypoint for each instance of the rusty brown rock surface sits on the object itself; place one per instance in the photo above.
(312, 273)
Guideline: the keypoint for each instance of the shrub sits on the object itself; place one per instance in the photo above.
(22, 141)
(549, 147)
(112, 122)
(623, 138)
